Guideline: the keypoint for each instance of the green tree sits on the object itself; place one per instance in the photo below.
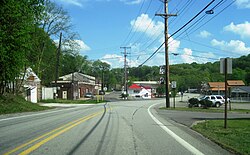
(18, 21)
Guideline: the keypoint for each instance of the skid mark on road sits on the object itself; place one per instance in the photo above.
(37, 142)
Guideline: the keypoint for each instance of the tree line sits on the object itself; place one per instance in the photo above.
(194, 75)
(29, 31)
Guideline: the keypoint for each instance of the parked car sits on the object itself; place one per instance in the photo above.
(88, 95)
(217, 100)
(101, 92)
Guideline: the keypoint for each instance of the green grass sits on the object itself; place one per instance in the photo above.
(13, 104)
(211, 110)
(235, 138)
(90, 101)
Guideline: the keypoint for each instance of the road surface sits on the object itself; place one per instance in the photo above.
(113, 128)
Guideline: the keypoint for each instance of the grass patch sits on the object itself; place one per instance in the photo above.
(211, 110)
(90, 101)
(236, 137)
(10, 103)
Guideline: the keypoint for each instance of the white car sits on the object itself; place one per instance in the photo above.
(217, 100)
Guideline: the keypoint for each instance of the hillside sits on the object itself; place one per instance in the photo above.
(193, 75)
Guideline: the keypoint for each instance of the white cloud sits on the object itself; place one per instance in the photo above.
(204, 34)
(243, 3)
(73, 2)
(145, 24)
(82, 46)
(236, 46)
(173, 45)
(241, 29)
(113, 59)
(187, 56)
(75, 45)
(80, 3)
(131, 2)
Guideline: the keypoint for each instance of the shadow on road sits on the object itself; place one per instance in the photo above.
(90, 132)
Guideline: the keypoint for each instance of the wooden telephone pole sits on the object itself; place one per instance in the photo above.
(165, 16)
(125, 69)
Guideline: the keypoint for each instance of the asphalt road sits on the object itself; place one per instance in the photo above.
(124, 128)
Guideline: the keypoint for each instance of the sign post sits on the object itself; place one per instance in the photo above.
(173, 86)
(225, 68)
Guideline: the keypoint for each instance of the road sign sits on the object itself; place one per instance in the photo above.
(229, 65)
(105, 88)
(162, 70)
(173, 84)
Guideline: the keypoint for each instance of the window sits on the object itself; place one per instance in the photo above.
(136, 91)
(219, 97)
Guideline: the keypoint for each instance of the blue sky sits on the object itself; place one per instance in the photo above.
(106, 25)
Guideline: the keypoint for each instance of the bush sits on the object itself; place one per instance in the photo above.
(193, 102)
(124, 95)
(206, 103)
(10, 103)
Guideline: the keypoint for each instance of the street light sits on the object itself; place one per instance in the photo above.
(210, 12)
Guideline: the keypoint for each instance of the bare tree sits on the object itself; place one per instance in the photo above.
(54, 21)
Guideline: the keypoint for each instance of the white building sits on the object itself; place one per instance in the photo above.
(137, 91)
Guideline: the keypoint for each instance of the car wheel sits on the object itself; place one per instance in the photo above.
(217, 105)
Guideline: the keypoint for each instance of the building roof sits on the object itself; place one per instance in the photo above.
(146, 87)
(134, 86)
(146, 82)
(29, 75)
(78, 77)
(235, 83)
(245, 89)
(216, 84)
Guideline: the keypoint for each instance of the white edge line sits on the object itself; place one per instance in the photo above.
(172, 134)
(5, 119)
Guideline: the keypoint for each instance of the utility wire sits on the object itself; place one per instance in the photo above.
(144, 32)
(217, 5)
(181, 12)
(134, 23)
(177, 32)
(139, 24)
(152, 54)
(213, 16)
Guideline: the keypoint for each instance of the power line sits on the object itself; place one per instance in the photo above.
(125, 69)
(152, 54)
(139, 24)
(134, 23)
(144, 32)
(213, 16)
(177, 31)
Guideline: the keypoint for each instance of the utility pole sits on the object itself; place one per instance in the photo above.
(165, 16)
(57, 62)
(125, 69)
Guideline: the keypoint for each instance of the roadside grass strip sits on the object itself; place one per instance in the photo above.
(35, 143)
(209, 110)
(235, 138)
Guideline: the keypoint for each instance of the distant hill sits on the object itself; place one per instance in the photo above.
(193, 75)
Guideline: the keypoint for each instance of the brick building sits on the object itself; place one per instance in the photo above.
(75, 85)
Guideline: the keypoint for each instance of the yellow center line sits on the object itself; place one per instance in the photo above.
(51, 132)
(37, 145)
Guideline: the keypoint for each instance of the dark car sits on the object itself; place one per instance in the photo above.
(88, 95)
(101, 92)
